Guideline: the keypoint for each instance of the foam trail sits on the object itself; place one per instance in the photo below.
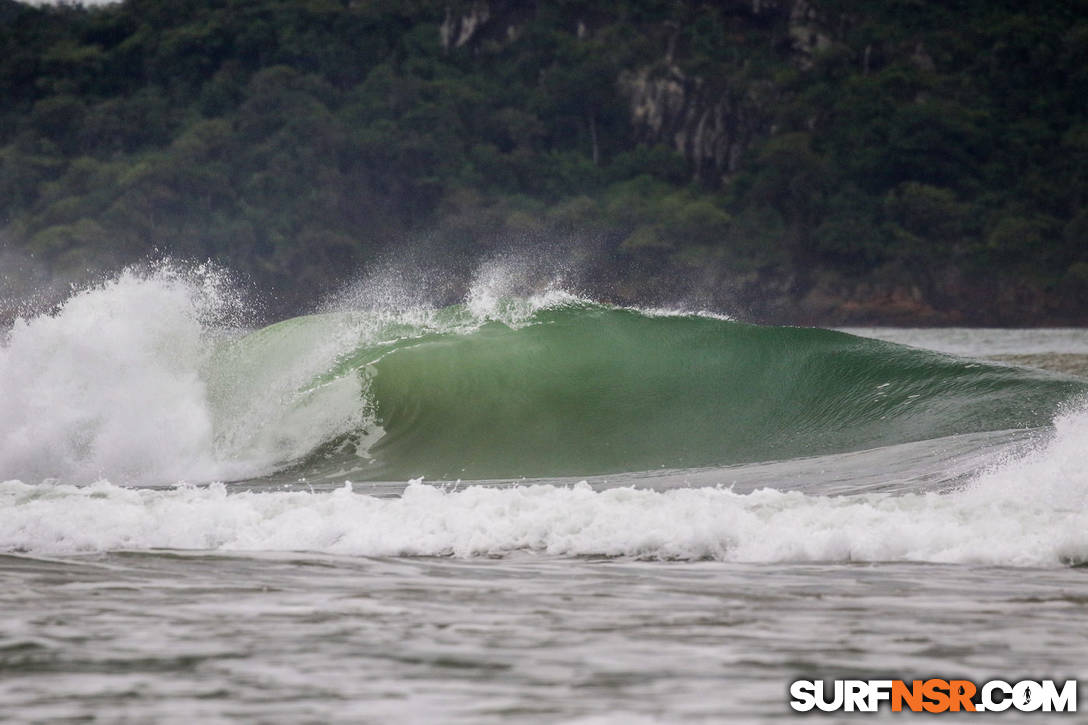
(1030, 511)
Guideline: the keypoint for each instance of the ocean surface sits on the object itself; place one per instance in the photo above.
(529, 508)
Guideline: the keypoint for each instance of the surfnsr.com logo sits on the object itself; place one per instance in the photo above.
(933, 695)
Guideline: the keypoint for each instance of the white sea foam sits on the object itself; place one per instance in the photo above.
(1029, 511)
(109, 384)
(133, 380)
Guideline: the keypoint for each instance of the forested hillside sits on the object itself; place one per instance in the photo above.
(799, 160)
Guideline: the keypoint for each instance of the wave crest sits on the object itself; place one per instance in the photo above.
(148, 379)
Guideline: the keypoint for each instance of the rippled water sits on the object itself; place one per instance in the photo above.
(186, 637)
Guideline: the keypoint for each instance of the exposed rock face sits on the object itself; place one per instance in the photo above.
(806, 34)
(922, 59)
(707, 120)
(710, 126)
(458, 29)
(480, 20)
(836, 300)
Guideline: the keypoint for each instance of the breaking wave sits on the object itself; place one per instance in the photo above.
(150, 379)
(147, 379)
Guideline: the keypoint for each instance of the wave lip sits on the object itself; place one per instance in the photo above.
(589, 389)
(140, 380)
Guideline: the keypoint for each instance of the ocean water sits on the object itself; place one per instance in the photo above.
(522, 508)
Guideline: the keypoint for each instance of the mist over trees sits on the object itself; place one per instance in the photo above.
(800, 160)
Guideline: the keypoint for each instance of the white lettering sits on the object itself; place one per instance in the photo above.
(803, 693)
(989, 704)
(836, 702)
(1064, 701)
(879, 691)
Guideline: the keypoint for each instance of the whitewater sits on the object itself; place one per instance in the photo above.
(529, 506)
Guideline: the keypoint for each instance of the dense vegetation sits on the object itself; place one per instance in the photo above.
(900, 159)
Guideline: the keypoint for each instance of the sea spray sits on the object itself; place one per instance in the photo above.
(110, 383)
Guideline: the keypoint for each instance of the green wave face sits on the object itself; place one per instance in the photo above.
(586, 389)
